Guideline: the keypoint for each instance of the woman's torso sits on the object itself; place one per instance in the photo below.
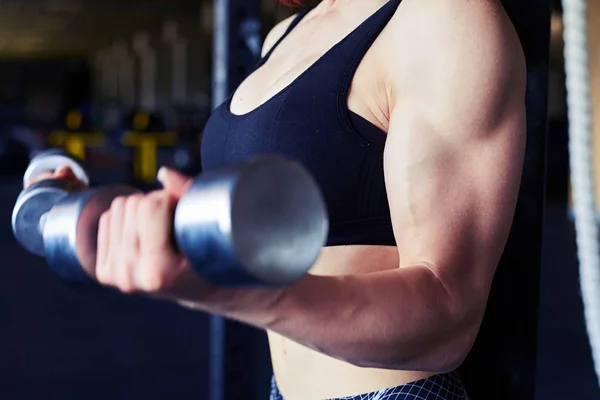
(364, 244)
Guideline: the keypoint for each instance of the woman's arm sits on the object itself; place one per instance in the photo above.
(453, 161)
(453, 164)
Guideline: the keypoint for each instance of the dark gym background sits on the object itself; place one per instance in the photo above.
(63, 342)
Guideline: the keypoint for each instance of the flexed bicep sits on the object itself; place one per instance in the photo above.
(454, 157)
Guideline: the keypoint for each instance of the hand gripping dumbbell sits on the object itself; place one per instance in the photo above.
(56, 219)
(261, 224)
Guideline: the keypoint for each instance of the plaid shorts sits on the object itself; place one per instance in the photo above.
(438, 387)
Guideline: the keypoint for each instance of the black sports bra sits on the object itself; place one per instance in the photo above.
(309, 122)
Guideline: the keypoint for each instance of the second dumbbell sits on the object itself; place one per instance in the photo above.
(35, 201)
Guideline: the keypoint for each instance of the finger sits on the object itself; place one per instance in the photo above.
(155, 219)
(41, 177)
(62, 173)
(175, 183)
(66, 173)
(117, 212)
(129, 245)
(103, 247)
(155, 216)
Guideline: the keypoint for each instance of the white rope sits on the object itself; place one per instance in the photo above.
(582, 174)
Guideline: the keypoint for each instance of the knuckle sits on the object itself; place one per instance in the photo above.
(152, 281)
(121, 276)
(148, 205)
(118, 202)
(159, 197)
(127, 281)
(126, 287)
(102, 275)
(103, 221)
(133, 201)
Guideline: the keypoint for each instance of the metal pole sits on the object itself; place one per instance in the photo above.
(220, 51)
(220, 85)
(236, 48)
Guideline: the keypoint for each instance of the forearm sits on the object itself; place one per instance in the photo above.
(399, 319)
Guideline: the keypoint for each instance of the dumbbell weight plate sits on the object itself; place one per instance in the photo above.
(71, 231)
(261, 225)
(49, 161)
(30, 209)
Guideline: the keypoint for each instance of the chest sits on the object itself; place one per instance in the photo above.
(320, 104)
(309, 54)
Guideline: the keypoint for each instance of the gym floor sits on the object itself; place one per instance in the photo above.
(96, 344)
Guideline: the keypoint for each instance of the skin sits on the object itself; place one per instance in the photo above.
(446, 81)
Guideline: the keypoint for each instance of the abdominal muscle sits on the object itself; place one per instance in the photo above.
(304, 374)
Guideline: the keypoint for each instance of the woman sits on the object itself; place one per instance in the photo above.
(411, 116)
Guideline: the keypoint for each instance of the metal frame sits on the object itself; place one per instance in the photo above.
(236, 32)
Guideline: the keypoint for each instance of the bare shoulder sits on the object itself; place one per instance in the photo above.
(459, 23)
(276, 33)
(460, 52)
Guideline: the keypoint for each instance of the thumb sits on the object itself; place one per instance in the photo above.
(64, 172)
(175, 183)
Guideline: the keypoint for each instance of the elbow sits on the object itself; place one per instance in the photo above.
(450, 345)
(456, 344)
(441, 345)
(445, 355)
(456, 350)
(444, 351)
(439, 354)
